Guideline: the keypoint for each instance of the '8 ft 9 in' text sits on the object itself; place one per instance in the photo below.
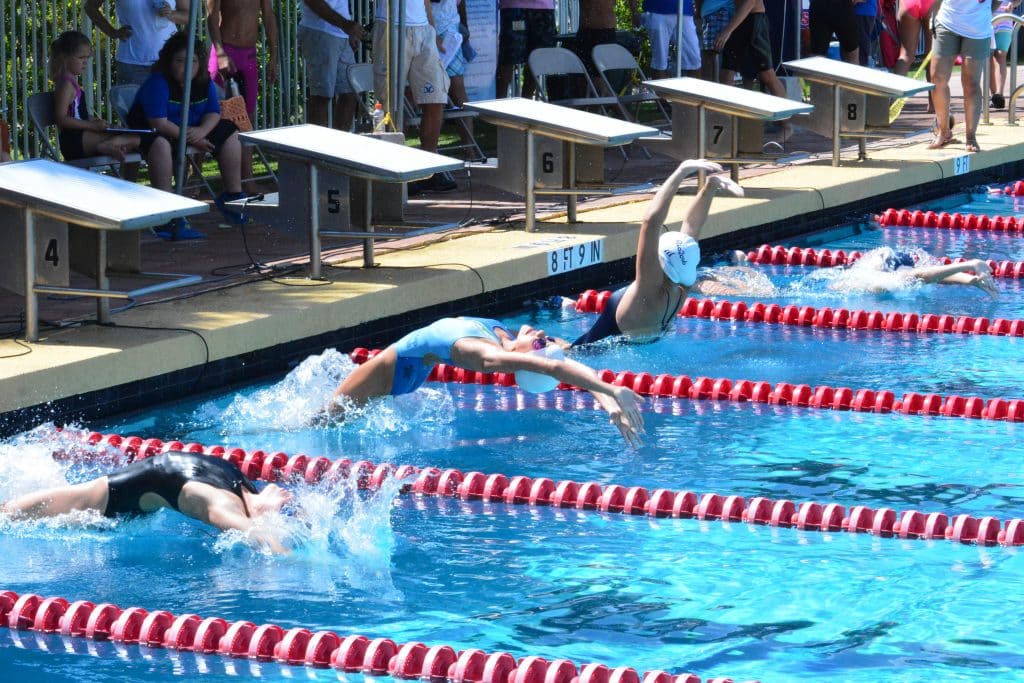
(564, 259)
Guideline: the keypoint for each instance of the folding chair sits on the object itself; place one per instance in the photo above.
(561, 63)
(40, 112)
(615, 63)
(360, 78)
(121, 98)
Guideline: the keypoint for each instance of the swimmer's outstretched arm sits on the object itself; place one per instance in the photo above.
(975, 273)
(225, 517)
(621, 404)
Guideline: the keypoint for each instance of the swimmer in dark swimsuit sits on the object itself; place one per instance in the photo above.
(878, 271)
(665, 263)
(203, 487)
(484, 345)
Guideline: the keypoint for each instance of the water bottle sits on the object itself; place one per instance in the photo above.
(378, 118)
(233, 88)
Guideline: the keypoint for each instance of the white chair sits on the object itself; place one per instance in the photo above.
(40, 108)
(360, 78)
(616, 64)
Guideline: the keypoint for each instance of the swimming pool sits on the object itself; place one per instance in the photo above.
(682, 595)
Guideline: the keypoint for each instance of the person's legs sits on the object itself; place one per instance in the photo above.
(229, 160)
(428, 83)
(321, 53)
(159, 161)
(430, 126)
(976, 53)
(659, 33)
(91, 495)
(910, 32)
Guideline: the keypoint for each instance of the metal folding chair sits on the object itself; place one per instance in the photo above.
(40, 108)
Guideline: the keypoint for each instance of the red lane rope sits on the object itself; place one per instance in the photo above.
(613, 498)
(778, 255)
(906, 218)
(304, 647)
(592, 301)
(783, 393)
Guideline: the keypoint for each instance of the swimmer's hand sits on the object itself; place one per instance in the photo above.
(985, 284)
(623, 408)
(726, 184)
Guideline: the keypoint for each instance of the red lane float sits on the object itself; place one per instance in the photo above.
(841, 318)
(958, 221)
(619, 499)
(303, 647)
(777, 255)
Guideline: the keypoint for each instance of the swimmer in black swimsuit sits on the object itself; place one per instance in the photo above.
(203, 487)
(647, 306)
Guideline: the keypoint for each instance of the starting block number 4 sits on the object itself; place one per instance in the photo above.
(577, 256)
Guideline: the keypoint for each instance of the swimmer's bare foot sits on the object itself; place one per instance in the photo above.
(940, 140)
(971, 144)
(738, 256)
(727, 184)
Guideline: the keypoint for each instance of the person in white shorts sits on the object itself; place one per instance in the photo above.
(327, 37)
(659, 18)
(425, 76)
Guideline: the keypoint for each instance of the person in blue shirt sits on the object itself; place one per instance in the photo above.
(660, 18)
(158, 105)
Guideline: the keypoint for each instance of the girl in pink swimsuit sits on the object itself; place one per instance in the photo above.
(912, 16)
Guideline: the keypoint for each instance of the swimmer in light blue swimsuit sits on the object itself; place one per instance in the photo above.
(484, 345)
(666, 266)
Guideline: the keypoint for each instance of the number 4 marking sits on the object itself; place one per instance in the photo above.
(51, 253)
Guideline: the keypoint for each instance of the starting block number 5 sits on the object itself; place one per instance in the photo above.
(577, 256)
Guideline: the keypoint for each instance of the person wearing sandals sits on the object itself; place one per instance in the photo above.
(962, 27)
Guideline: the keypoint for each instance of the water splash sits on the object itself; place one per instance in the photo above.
(343, 530)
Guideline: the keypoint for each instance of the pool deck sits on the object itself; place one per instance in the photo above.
(235, 329)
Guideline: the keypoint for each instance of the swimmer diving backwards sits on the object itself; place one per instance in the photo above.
(484, 345)
(666, 264)
(202, 487)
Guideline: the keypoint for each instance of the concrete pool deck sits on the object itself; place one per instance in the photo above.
(245, 329)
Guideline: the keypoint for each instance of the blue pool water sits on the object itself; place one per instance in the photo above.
(713, 598)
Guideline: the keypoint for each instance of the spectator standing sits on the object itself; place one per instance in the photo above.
(425, 77)
(327, 39)
(524, 25)
(714, 16)
(660, 18)
(866, 14)
(911, 17)
(1003, 34)
(234, 27)
(834, 17)
(143, 28)
(962, 27)
(597, 27)
(452, 28)
(745, 45)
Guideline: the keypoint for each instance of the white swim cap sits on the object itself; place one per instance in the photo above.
(679, 256)
(535, 382)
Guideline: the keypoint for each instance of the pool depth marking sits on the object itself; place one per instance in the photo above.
(612, 498)
(592, 301)
(300, 646)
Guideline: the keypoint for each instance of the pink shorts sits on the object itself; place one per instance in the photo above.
(247, 65)
(920, 9)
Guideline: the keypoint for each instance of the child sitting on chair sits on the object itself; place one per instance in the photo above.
(158, 105)
(80, 135)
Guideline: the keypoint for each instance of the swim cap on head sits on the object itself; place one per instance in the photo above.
(535, 382)
(679, 256)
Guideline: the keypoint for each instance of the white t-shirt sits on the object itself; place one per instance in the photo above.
(149, 31)
(312, 20)
(415, 12)
(967, 18)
